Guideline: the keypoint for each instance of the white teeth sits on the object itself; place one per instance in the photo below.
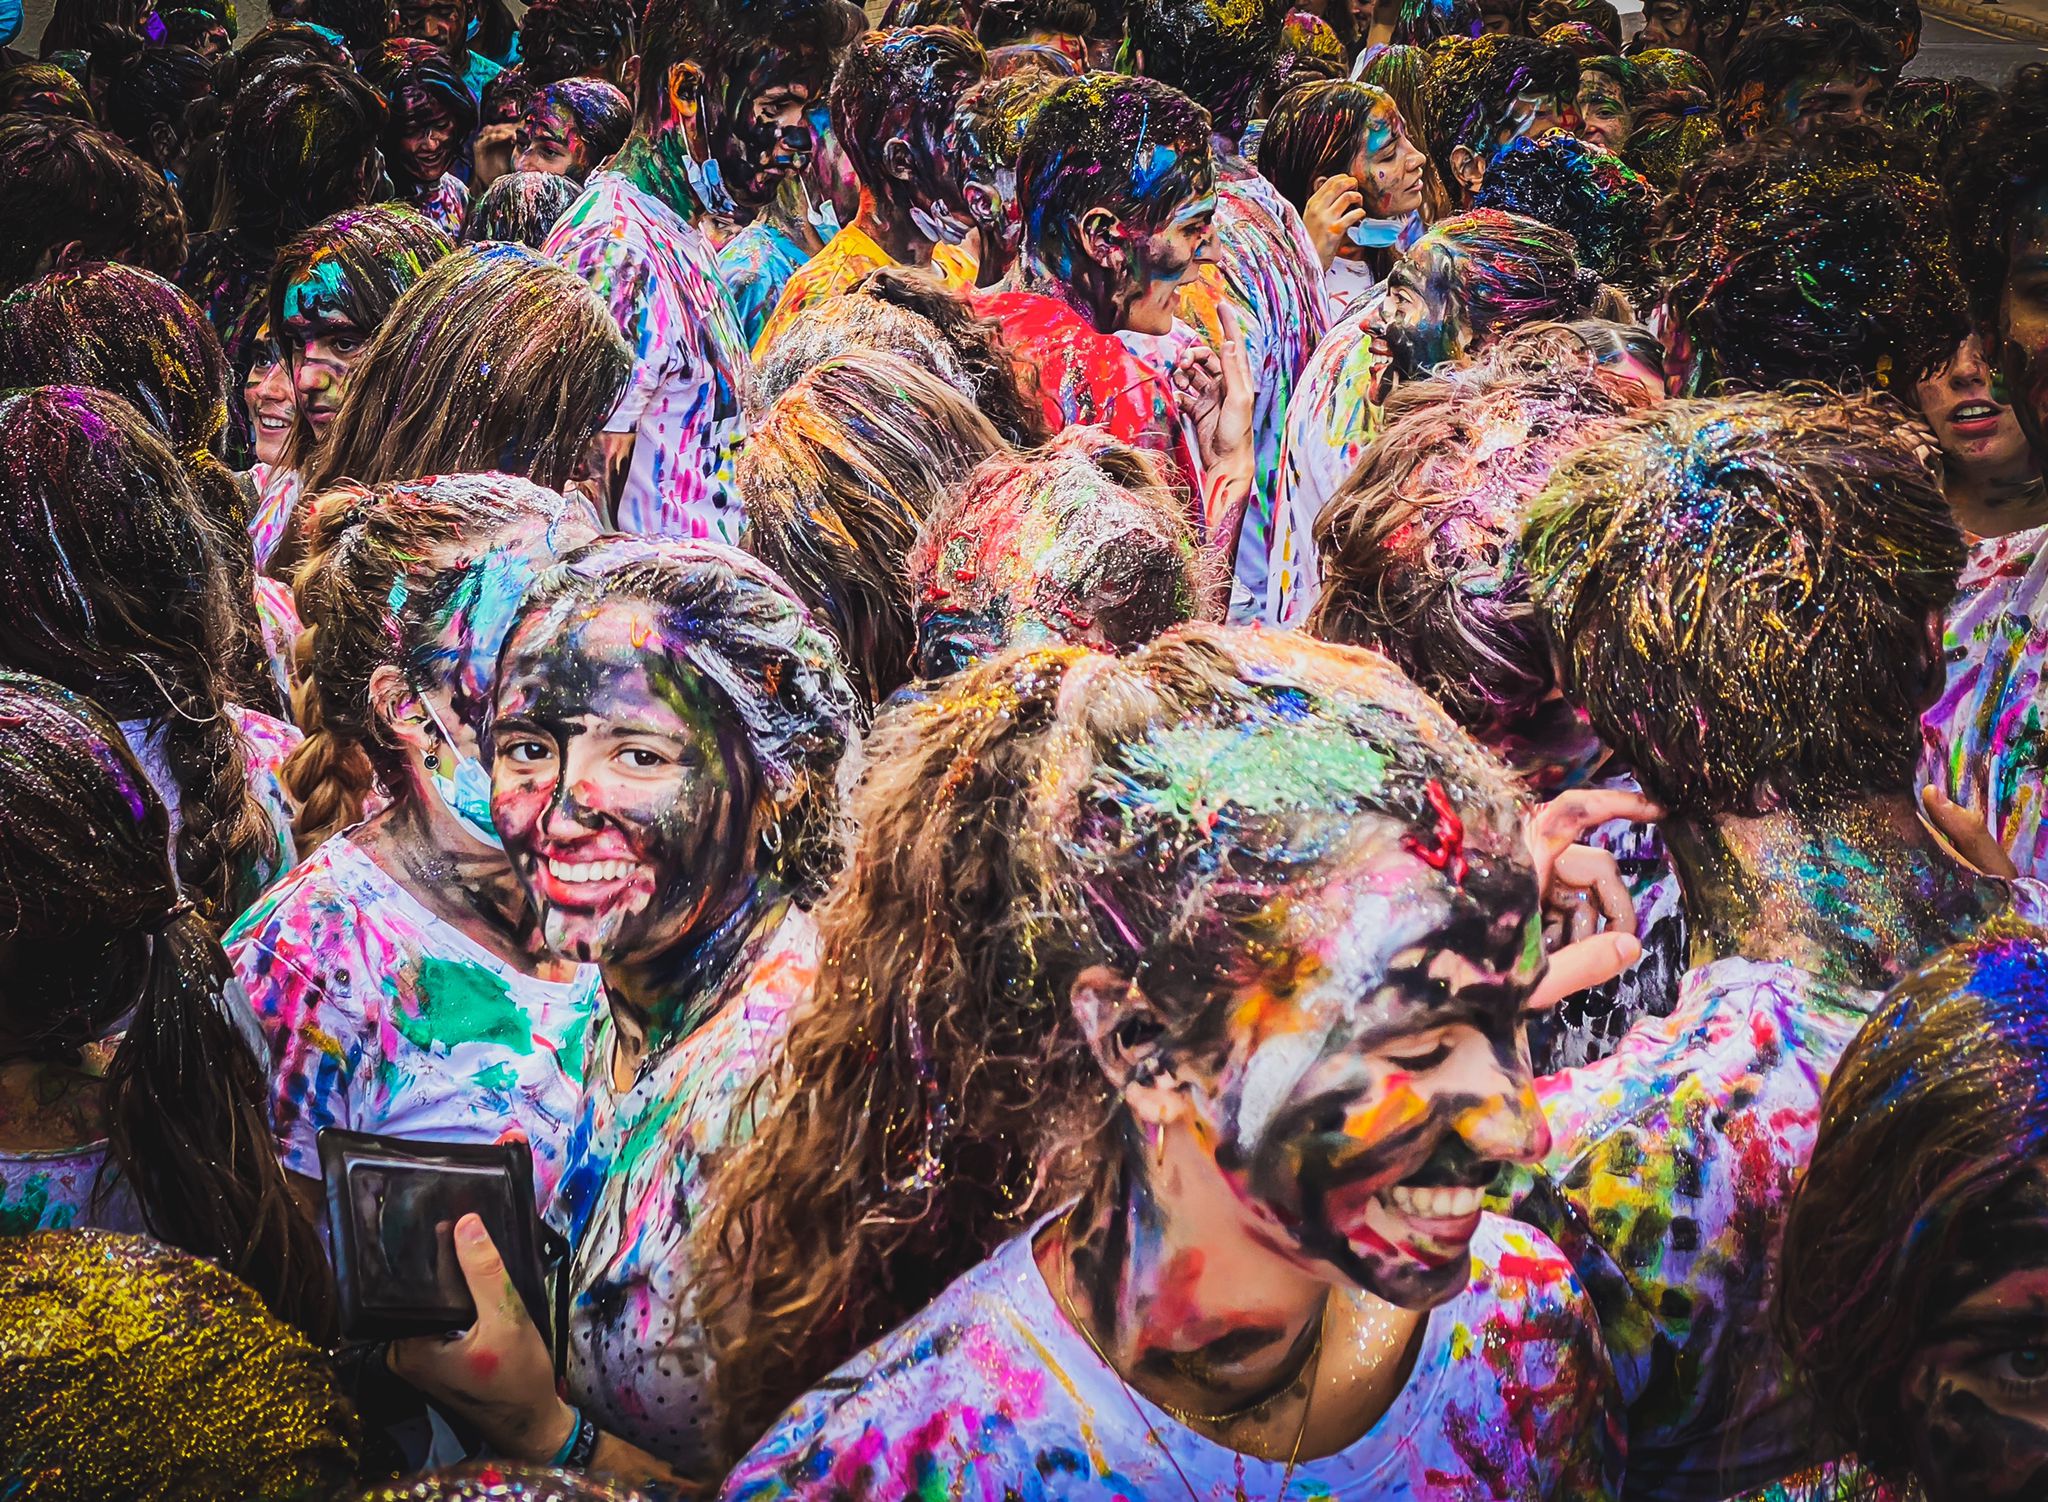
(590, 871)
(1435, 1203)
(1974, 410)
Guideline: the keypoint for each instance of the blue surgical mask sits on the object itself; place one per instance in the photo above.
(1376, 234)
(465, 791)
(707, 185)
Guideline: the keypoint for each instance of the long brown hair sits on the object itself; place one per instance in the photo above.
(114, 586)
(838, 476)
(1042, 813)
(496, 359)
(97, 924)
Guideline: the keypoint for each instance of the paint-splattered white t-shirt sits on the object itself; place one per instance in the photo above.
(382, 1017)
(992, 1395)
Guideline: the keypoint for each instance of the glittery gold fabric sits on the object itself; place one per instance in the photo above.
(491, 1482)
(128, 1370)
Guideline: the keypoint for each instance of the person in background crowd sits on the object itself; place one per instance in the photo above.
(521, 208)
(572, 127)
(1818, 62)
(1481, 96)
(446, 26)
(1611, 90)
(70, 194)
(983, 141)
(431, 114)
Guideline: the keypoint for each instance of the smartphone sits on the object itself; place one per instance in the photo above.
(392, 1205)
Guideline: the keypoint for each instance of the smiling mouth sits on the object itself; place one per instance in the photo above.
(272, 422)
(1976, 413)
(588, 872)
(1421, 1202)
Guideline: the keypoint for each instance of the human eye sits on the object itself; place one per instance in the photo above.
(1418, 1056)
(524, 750)
(2020, 1371)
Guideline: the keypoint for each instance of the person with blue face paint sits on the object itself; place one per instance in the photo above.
(397, 971)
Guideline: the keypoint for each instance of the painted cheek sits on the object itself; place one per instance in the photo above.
(1509, 1127)
(1399, 1107)
(517, 807)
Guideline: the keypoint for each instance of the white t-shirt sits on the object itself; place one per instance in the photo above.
(382, 1017)
(991, 1393)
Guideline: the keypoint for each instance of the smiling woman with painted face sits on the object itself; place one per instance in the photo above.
(666, 740)
(571, 126)
(1191, 984)
(1916, 1251)
(432, 116)
(396, 971)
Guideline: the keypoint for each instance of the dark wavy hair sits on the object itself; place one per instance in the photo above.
(98, 927)
(1219, 55)
(574, 38)
(2000, 177)
(1604, 204)
(1469, 88)
(1811, 41)
(905, 82)
(300, 144)
(62, 180)
(1737, 592)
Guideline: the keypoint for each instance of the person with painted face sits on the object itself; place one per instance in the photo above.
(1818, 62)
(397, 972)
(1989, 472)
(1611, 90)
(1420, 559)
(1064, 26)
(1780, 743)
(1189, 1129)
(1079, 542)
(892, 99)
(1916, 1244)
(133, 1101)
(1983, 733)
(571, 127)
(772, 89)
(301, 144)
(431, 117)
(1338, 152)
(1471, 278)
(665, 746)
(1706, 29)
(984, 139)
(1259, 262)
(329, 291)
(667, 449)
(1117, 192)
(1482, 96)
(447, 25)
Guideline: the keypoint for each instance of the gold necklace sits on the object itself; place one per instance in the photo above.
(1065, 1294)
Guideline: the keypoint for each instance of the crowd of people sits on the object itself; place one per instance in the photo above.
(1130, 750)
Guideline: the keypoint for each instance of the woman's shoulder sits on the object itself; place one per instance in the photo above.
(337, 907)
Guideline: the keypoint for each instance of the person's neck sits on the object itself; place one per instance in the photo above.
(659, 1000)
(654, 164)
(1856, 892)
(1185, 1307)
(1099, 313)
(459, 880)
(891, 228)
(1996, 505)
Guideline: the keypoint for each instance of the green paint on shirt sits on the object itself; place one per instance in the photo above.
(461, 1003)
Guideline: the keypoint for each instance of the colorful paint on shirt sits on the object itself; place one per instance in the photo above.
(1329, 424)
(992, 1395)
(849, 256)
(692, 375)
(757, 264)
(640, 1161)
(73, 1189)
(1984, 742)
(381, 1017)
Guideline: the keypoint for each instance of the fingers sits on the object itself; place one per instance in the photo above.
(1594, 874)
(1569, 816)
(1966, 833)
(1582, 966)
(483, 1269)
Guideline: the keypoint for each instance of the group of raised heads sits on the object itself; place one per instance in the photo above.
(1144, 750)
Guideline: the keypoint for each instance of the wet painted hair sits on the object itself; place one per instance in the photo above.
(1130, 145)
(43, 89)
(1937, 1109)
(1666, 68)
(149, 90)
(784, 712)
(1944, 113)
(385, 571)
(1418, 23)
(1315, 130)
(1494, 271)
(1470, 87)
(1796, 261)
(415, 76)
(102, 941)
(1420, 548)
(1036, 816)
(1217, 52)
(1310, 49)
(905, 82)
(1821, 541)
(299, 146)
(2001, 178)
(1579, 38)
(131, 1370)
(1003, 22)
(520, 208)
(355, 265)
(125, 330)
(115, 587)
(1674, 131)
(838, 476)
(1083, 542)
(603, 115)
(1006, 394)
(1812, 42)
(574, 38)
(495, 1481)
(1598, 14)
(1604, 204)
(62, 180)
(496, 359)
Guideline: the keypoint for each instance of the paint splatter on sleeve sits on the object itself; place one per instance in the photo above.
(1329, 424)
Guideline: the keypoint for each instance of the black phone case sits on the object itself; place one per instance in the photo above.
(392, 1205)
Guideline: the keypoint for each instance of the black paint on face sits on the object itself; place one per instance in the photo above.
(766, 134)
(1977, 1393)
